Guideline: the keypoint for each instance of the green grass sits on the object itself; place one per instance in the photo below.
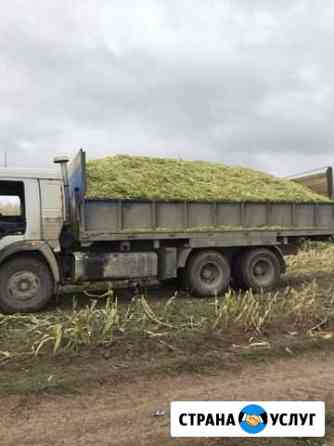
(124, 176)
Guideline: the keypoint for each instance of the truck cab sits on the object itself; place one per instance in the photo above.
(32, 216)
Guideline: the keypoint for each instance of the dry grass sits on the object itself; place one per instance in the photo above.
(157, 178)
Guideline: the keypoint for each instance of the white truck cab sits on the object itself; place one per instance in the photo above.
(32, 215)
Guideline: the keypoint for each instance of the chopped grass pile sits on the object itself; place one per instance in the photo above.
(123, 176)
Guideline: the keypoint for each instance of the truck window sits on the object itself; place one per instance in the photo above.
(12, 208)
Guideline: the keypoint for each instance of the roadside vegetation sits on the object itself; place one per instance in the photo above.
(304, 310)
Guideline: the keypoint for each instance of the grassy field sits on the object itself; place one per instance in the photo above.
(122, 176)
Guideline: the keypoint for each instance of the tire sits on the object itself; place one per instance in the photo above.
(208, 273)
(260, 269)
(26, 285)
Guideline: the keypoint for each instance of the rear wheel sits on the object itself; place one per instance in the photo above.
(208, 274)
(260, 269)
(26, 285)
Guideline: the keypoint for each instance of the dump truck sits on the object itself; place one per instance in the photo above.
(60, 237)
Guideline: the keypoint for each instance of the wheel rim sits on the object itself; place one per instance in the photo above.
(23, 286)
(263, 272)
(210, 273)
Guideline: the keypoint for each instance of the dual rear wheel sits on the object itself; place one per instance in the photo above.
(208, 273)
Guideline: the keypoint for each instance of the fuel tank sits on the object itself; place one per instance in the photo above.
(119, 265)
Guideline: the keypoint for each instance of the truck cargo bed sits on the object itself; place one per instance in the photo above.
(103, 219)
(234, 223)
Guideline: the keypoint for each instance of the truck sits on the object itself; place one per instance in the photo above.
(59, 236)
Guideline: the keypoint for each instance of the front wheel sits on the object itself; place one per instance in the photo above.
(26, 285)
(208, 273)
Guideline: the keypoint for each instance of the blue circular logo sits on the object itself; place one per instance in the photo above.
(253, 419)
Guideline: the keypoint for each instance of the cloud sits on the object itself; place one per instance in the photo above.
(239, 82)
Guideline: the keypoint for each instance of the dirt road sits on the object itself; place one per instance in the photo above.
(122, 415)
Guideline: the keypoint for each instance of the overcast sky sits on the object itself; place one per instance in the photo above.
(242, 82)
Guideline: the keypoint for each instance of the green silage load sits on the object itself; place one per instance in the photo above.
(123, 176)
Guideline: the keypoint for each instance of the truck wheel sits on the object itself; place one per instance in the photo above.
(208, 274)
(260, 269)
(26, 285)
